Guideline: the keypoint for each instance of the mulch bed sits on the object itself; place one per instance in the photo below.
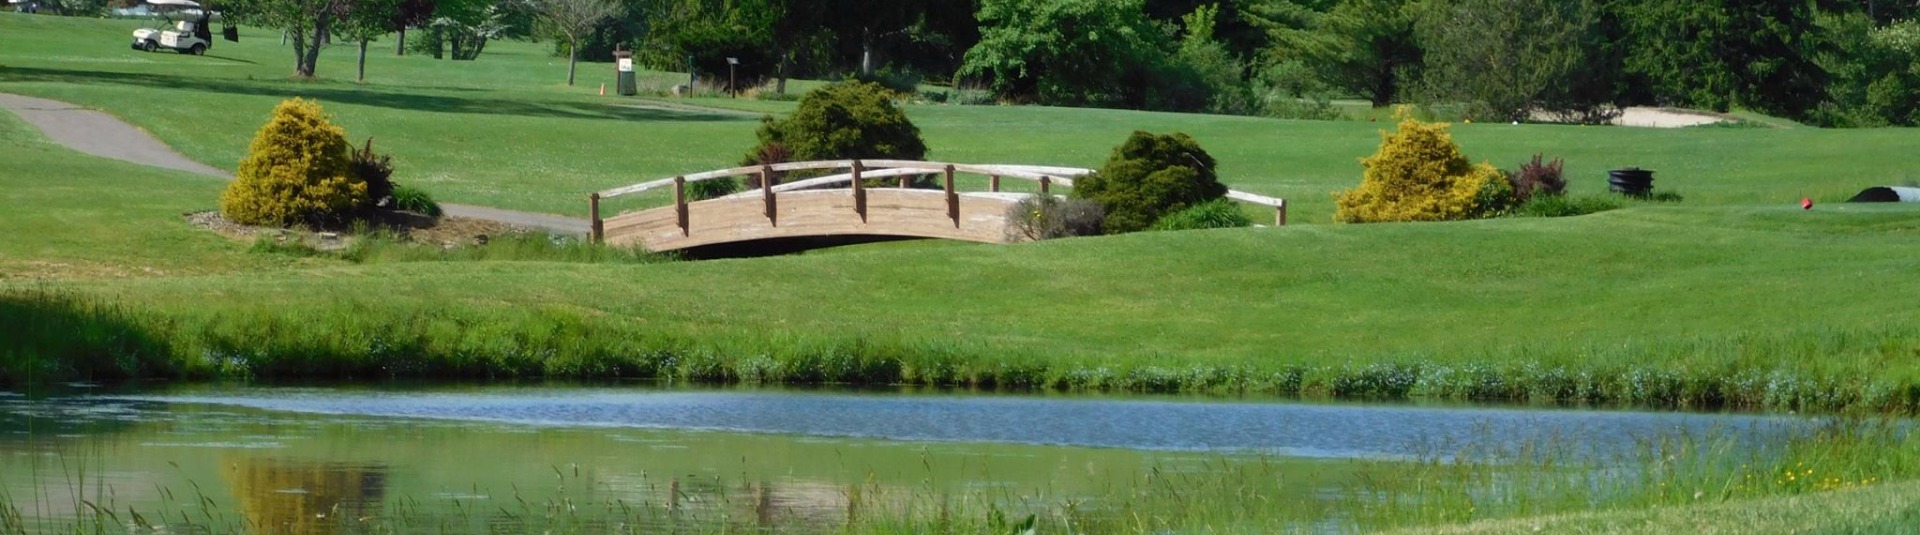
(446, 232)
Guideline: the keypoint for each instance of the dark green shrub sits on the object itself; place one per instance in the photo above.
(376, 170)
(1217, 213)
(717, 188)
(903, 81)
(1148, 177)
(767, 153)
(414, 199)
(845, 120)
(1045, 217)
(1564, 206)
(1537, 178)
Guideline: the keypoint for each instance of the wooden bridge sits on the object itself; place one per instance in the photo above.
(808, 209)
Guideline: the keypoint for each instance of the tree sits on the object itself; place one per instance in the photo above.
(1068, 52)
(573, 19)
(308, 23)
(408, 14)
(1366, 47)
(1510, 58)
(1717, 54)
(1875, 72)
(461, 29)
(364, 20)
(1148, 177)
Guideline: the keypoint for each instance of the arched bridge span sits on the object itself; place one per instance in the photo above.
(839, 204)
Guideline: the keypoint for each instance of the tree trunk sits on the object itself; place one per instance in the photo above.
(299, 37)
(363, 61)
(780, 77)
(400, 42)
(310, 61)
(573, 58)
(439, 43)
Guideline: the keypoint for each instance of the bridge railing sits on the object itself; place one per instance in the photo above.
(858, 170)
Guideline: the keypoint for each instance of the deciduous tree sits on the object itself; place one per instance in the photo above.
(572, 20)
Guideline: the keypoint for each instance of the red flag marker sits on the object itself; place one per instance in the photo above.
(1806, 203)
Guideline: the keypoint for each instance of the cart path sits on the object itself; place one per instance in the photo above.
(97, 133)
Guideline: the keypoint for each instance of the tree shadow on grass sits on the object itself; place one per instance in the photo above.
(368, 97)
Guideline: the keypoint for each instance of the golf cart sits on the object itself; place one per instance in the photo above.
(185, 36)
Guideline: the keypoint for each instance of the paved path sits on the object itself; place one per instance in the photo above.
(103, 135)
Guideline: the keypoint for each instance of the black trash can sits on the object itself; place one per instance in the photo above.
(1631, 181)
(623, 63)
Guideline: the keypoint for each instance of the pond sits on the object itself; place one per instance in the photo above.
(311, 460)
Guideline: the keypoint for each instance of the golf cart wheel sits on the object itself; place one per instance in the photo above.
(198, 50)
(148, 45)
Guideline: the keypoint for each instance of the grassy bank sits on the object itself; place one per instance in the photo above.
(1654, 305)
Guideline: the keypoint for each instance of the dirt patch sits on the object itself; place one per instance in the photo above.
(445, 232)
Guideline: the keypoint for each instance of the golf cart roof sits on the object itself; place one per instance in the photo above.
(174, 3)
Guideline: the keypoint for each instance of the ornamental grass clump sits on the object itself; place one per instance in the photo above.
(296, 172)
(1419, 174)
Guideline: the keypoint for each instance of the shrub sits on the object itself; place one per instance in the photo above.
(1537, 178)
(1045, 217)
(414, 199)
(845, 120)
(902, 81)
(296, 172)
(1564, 206)
(1217, 213)
(1419, 174)
(374, 169)
(1148, 177)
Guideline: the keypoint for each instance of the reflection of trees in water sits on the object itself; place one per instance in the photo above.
(280, 496)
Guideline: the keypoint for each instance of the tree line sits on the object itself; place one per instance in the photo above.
(1826, 62)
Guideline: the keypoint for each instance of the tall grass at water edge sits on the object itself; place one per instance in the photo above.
(1448, 486)
(61, 337)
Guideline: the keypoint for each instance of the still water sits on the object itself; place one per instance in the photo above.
(304, 459)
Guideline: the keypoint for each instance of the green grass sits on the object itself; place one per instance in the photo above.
(1734, 297)
(1655, 304)
(526, 141)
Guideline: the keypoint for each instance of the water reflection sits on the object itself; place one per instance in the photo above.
(304, 498)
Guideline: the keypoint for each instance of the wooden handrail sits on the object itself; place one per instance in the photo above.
(1046, 176)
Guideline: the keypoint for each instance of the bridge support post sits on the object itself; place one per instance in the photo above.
(598, 232)
(993, 183)
(680, 204)
(1046, 185)
(766, 189)
(953, 200)
(906, 181)
(859, 193)
(1280, 214)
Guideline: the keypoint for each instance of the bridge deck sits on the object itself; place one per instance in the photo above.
(889, 212)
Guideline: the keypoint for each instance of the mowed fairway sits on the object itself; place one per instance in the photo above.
(504, 131)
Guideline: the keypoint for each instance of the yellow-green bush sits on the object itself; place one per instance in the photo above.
(296, 172)
(1419, 174)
